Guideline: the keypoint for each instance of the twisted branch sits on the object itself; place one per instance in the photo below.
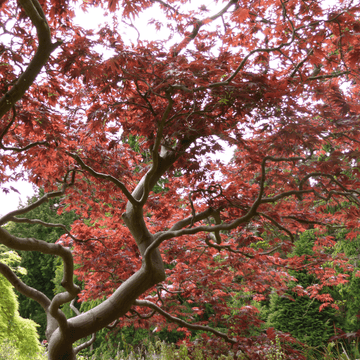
(107, 177)
(34, 11)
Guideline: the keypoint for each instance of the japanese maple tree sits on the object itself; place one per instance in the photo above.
(127, 132)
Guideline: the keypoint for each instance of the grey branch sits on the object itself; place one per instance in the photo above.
(38, 296)
(17, 149)
(24, 289)
(85, 344)
(192, 219)
(93, 336)
(30, 244)
(43, 223)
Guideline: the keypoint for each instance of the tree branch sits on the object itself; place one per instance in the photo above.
(42, 200)
(228, 248)
(192, 220)
(61, 226)
(113, 324)
(198, 24)
(93, 335)
(310, 222)
(7, 127)
(182, 322)
(30, 244)
(278, 225)
(316, 174)
(155, 151)
(98, 175)
(148, 316)
(166, 235)
(54, 319)
(24, 289)
(330, 76)
(34, 11)
(85, 344)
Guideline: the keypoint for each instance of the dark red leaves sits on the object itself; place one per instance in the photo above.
(273, 80)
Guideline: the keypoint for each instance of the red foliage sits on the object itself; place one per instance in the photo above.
(278, 81)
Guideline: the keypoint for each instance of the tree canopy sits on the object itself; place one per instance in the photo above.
(126, 134)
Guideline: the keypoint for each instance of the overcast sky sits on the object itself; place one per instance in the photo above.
(10, 202)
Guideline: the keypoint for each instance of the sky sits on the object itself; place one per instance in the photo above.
(11, 201)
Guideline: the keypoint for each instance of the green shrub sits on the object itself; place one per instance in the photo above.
(300, 315)
(302, 319)
(18, 336)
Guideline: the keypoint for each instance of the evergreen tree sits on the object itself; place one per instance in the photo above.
(349, 293)
(301, 315)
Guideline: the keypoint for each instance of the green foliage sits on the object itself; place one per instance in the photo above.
(275, 352)
(349, 292)
(124, 340)
(335, 350)
(305, 243)
(12, 259)
(59, 274)
(18, 336)
(127, 340)
(302, 318)
(242, 299)
(156, 350)
(9, 351)
(351, 302)
(300, 315)
(109, 343)
(40, 267)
